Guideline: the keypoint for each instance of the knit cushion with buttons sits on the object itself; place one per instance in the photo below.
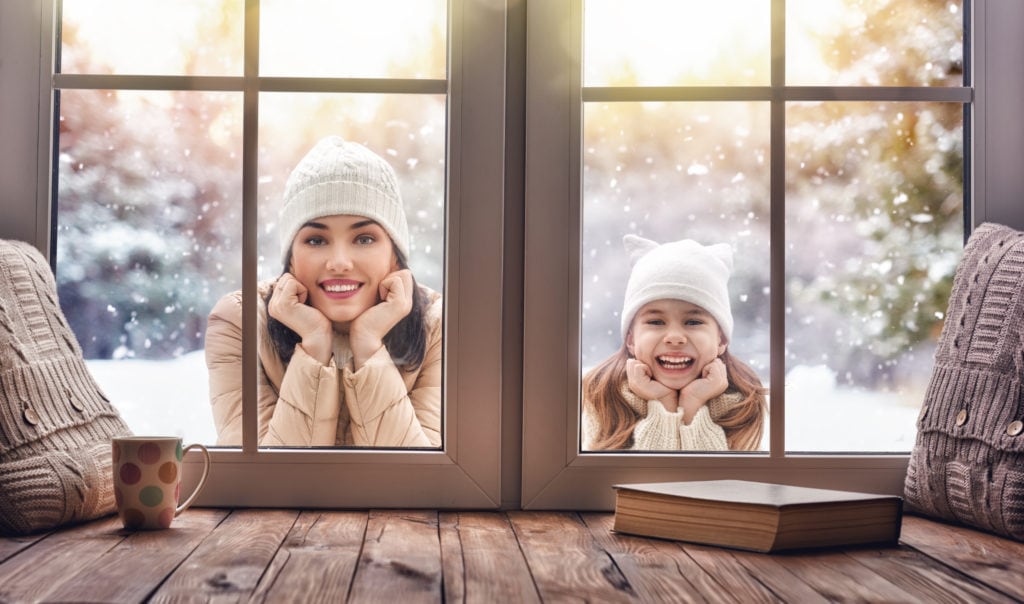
(55, 422)
(967, 464)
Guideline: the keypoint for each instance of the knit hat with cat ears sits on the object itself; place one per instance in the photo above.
(681, 270)
(340, 177)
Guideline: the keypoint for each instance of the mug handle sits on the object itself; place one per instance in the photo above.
(202, 479)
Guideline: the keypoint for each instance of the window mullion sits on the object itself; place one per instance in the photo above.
(777, 238)
(250, 129)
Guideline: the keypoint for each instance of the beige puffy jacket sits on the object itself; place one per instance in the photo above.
(304, 403)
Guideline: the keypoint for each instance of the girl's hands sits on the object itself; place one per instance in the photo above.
(712, 382)
(366, 334)
(288, 305)
(643, 384)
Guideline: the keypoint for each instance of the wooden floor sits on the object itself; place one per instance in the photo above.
(401, 557)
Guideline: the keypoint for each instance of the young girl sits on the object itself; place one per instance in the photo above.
(349, 345)
(674, 385)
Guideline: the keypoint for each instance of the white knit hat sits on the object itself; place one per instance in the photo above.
(681, 270)
(339, 177)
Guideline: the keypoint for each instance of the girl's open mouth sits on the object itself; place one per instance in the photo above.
(675, 361)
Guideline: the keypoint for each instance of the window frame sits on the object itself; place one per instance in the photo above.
(555, 473)
(465, 471)
(527, 382)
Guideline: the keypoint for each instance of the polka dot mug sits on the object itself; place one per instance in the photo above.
(147, 479)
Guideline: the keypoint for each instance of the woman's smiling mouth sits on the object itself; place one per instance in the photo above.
(340, 288)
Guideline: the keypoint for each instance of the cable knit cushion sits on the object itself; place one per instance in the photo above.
(55, 422)
(967, 465)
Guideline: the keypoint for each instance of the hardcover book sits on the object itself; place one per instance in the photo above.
(757, 516)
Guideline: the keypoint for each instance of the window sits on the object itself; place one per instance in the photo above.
(489, 245)
(172, 149)
(832, 164)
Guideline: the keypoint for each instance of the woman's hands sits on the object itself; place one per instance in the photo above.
(288, 305)
(712, 382)
(366, 334)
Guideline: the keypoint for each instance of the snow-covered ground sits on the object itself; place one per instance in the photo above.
(160, 397)
(171, 397)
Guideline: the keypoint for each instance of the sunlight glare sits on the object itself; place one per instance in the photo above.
(332, 38)
(676, 42)
(146, 36)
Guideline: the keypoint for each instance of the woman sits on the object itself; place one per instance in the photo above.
(349, 344)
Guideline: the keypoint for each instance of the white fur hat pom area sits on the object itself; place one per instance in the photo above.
(681, 270)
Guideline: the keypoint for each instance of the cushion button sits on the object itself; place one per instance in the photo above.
(31, 417)
(961, 418)
(1015, 428)
(76, 403)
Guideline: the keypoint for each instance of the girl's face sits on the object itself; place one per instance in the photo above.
(675, 339)
(341, 261)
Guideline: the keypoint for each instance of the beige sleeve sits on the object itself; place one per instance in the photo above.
(385, 411)
(659, 430)
(703, 434)
(224, 364)
(588, 427)
(301, 415)
(721, 404)
(306, 412)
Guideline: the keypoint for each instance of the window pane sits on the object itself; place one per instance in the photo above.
(874, 42)
(152, 37)
(874, 223)
(353, 38)
(667, 172)
(147, 239)
(676, 43)
(408, 133)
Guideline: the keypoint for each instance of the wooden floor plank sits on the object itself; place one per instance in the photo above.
(837, 577)
(401, 558)
(37, 571)
(657, 569)
(137, 564)
(318, 559)
(229, 563)
(990, 559)
(10, 546)
(566, 563)
(929, 580)
(481, 560)
(750, 576)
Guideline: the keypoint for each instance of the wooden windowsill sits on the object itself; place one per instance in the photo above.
(424, 555)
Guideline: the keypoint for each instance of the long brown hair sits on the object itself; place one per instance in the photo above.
(602, 393)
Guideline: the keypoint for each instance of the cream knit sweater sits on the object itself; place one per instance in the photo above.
(660, 430)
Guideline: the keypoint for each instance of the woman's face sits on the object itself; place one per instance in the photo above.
(341, 261)
(675, 339)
